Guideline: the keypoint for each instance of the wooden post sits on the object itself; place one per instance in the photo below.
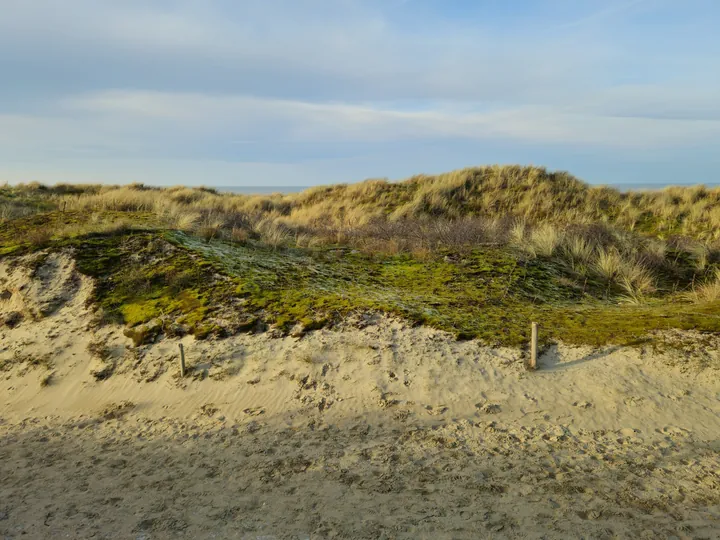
(182, 360)
(534, 346)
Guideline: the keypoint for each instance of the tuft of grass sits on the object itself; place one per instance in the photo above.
(273, 234)
(608, 264)
(239, 235)
(637, 278)
(579, 250)
(518, 232)
(545, 240)
(700, 255)
(710, 290)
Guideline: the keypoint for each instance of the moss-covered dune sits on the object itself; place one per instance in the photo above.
(480, 252)
(490, 293)
(163, 281)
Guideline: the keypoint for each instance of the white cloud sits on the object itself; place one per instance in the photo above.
(137, 124)
(299, 49)
(655, 101)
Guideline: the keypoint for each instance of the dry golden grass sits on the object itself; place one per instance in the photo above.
(545, 239)
(608, 263)
(626, 238)
(579, 249)
(529, 193)
(710, 290)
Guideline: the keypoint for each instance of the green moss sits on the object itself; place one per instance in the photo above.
(143, 334)
(140, 311)
(52, 228)
(204, 330)
(629, 324)
(140, 277)
(491, 293)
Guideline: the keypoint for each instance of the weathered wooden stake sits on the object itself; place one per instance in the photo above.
(182, 360)
(534, 346)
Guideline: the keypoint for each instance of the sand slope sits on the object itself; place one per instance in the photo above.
(371, 430)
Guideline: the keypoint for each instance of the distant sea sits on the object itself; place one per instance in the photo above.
(260, 190)
(653, 187)
(267, 190)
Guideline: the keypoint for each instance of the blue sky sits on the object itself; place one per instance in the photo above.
(301, 92)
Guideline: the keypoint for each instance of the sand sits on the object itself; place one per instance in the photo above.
(373, 429)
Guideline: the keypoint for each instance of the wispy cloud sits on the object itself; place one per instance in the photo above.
(127, 115)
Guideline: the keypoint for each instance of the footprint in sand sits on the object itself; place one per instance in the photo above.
(488, 408)
(254, 411)
(433, 411)
(582, 404)
(679, 396)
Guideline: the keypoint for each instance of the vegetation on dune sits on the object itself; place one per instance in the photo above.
(152, 286)
(530, 193)
(489, 293)
(479, 253)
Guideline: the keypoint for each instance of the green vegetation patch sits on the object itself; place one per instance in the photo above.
(142, 277)
(217, 287)
(37, 231)
(490, 293)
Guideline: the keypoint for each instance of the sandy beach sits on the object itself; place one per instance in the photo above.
(372, 429)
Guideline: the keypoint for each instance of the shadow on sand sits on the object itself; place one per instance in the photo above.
(550, 359)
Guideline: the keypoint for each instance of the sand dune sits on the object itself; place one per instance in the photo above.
(371, 430)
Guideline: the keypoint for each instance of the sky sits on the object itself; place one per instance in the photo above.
(304, 92)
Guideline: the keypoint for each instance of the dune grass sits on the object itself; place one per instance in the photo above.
(479, 252)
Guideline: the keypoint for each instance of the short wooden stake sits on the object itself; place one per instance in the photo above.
(534, 346)
(182, 360)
